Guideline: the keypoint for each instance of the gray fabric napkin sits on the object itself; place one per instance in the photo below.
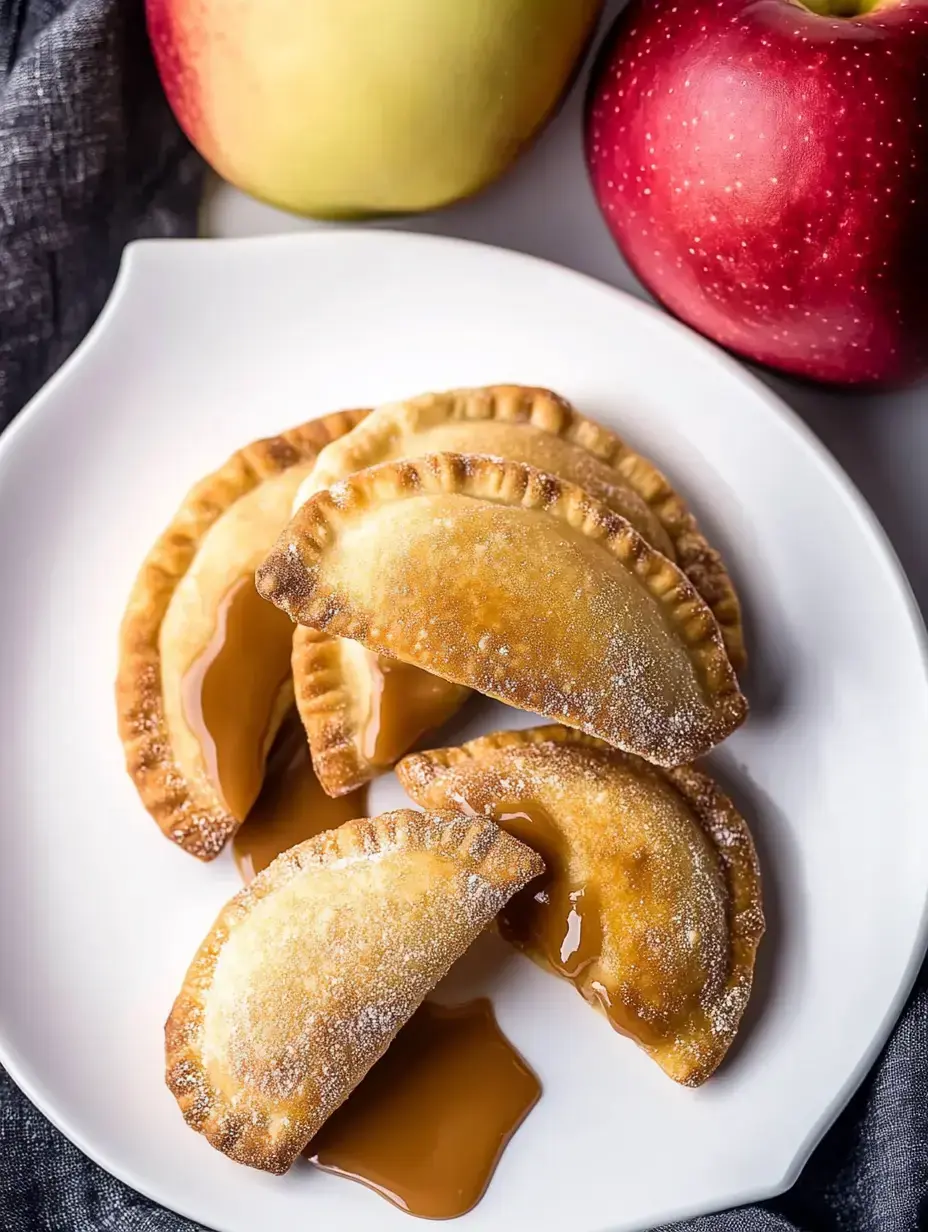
(90, 158)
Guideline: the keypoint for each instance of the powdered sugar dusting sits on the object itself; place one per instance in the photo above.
(468, 575)
(663, 855)
(334, 948)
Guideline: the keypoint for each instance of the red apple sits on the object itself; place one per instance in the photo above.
(764, 169)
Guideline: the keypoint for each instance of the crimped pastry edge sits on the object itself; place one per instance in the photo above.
(257, 1138)
(720, 821)
(551, 413)
(191, 814)
(324, 703)
(286, 576)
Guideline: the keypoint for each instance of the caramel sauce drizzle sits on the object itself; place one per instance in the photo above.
(406, 702)
(554, 917)
(292, 806)
(428, 1125)
(231, 689)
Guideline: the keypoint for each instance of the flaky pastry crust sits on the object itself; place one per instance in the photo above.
(539, 427)
(309, 972)
(663, 857)
(188, 808)
(501, 578)
(332, 692)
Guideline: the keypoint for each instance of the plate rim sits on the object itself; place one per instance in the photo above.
(139, 254)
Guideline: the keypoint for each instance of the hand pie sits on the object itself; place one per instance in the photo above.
(344, 694)
(540, 428)
(362, 711)
(308, 974)
(496, 576)
(204, 674)
(651, 904)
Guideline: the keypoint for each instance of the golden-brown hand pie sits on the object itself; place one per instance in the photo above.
(362, 711)
(344, 694)
(204, 663)
(539, 427)
(308, 974)
(496, 576)
(651, 901)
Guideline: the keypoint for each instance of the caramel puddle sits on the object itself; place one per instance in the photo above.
(292, 806)
(427, 1126)
(231, 689)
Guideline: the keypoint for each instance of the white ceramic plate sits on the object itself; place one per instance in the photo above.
(206, 345)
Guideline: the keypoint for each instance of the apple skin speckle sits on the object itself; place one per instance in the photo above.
(764, 170)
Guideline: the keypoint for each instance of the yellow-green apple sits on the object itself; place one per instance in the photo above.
(341, 108)
(763, 165)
